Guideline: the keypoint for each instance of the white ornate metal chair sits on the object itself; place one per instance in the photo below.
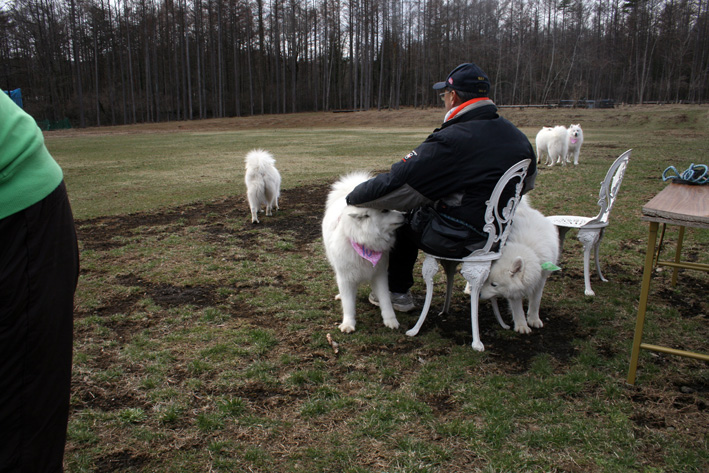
(591, 229)
(476, 266)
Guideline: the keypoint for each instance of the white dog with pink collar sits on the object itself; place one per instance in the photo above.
(357, 243)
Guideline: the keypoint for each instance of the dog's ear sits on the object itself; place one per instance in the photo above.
(517, 266)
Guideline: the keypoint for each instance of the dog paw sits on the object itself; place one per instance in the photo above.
(391, 323)
(523, 329)
(536, 323)
(346, 328)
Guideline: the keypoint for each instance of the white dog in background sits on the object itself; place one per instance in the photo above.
(575, 141)
(263, 182)
(531, 253)
(554, 142)
(357, 243)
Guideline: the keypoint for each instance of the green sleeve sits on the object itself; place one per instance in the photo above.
(28, 173)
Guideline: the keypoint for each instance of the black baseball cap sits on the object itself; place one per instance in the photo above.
(466, 78)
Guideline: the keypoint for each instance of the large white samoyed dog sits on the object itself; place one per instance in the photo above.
(263, 182)
(554, 143)
(575, 141)
(357, 243)
(531, 253)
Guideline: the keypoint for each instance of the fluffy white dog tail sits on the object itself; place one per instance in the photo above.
(259, 159)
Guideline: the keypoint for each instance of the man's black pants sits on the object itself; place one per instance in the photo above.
(402, 259)
(39, 268)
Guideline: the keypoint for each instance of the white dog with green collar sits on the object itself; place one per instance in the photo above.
(530, 255)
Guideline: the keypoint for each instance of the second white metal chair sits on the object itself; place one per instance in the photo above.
(591, 229)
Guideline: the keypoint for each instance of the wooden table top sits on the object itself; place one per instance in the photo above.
(680, 204)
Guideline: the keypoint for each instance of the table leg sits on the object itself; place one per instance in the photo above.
(658, 247)
(642, 305)
(678, 253)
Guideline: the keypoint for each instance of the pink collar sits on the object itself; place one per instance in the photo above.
(370, 255)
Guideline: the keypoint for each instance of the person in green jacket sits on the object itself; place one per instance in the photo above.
(39, 269)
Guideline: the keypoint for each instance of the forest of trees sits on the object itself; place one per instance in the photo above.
(106, 62)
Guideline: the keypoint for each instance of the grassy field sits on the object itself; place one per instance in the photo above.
(200, 339)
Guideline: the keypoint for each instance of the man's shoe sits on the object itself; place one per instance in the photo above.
(401, 302)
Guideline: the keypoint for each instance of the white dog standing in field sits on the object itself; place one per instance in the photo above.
(554, 142)
(357, 243)
(531, 253)
(575, 141)
(263, 182)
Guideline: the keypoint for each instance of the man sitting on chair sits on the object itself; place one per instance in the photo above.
(445, 182)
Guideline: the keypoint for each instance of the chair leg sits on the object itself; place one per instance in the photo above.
(429, 269)
(589, 239)
(449, 267)
(495, 308)
(562, 235)
(498, 316)
(597, 248)
(475, 274)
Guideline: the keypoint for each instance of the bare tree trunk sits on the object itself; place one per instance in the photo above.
(146, 61)
(123, 76)
(236, 41)
(96, 86)
(110, 65)
(156, 72)
(77, 62)
(130, 66)
(249, 53)
(187, 68)
(293, 54)
(381, 74)
(261, 54)
(220, 62)
(200, 60)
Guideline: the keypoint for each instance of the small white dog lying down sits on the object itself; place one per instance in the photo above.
(575, 141)
(531, 253)
(263, 182)
(554, 143)
(357, 243)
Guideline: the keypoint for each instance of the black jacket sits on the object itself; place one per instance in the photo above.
(455, 168)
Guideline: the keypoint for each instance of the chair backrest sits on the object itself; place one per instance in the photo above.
(499, 217)
(609, 189)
